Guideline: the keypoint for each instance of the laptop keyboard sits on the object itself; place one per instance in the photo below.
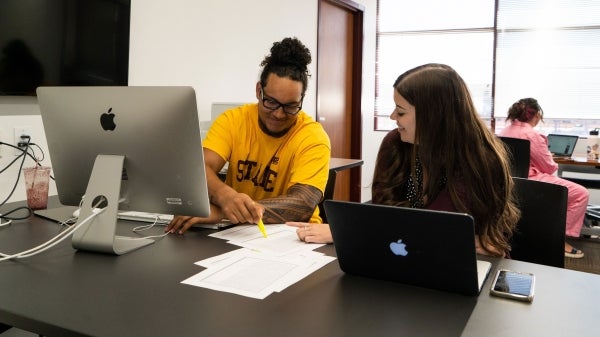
(145, 217)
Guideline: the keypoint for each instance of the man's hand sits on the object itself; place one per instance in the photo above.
(240, 208)
(234, 206)
(181, 223)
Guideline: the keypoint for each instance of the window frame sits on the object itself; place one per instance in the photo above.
(495, 113)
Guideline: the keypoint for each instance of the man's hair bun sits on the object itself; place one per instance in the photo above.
(288, 52)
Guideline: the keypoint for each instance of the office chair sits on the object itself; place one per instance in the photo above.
(328, 194)
(520, 155)
(540, 233)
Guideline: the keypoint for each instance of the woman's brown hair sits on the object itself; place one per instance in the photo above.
(454, 145)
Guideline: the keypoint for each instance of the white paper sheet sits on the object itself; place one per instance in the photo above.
(255, 274)
(280, 240)
(263, 266)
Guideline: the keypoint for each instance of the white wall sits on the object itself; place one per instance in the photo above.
(210, 46)
(217, 50)
(370, 139)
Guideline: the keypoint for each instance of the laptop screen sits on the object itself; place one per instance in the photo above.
(562, 145)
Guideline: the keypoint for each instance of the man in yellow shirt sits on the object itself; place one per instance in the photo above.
(278, 155)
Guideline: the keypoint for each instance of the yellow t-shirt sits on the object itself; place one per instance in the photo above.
(263, 166)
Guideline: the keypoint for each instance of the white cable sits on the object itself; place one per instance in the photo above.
(145, 237)
(46, 245)
(146, 227)
(3, 224)
(68, 222)
(65, 234)
(53, 241)
(50, 243)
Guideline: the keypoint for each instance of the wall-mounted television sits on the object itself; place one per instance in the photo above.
(63, 43)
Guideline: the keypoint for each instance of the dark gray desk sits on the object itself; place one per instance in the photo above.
(586, 166)
(340, 164)
(67, 293)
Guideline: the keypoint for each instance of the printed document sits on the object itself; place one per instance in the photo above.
(263, 266)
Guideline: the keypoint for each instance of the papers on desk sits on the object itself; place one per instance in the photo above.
(263, 265)
(281, 240)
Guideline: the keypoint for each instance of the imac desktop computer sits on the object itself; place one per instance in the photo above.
(124, 148)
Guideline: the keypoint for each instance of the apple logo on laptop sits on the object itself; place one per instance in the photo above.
(107, 120)
(399, 248)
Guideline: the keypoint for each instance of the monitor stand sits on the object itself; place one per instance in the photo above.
(98, 234)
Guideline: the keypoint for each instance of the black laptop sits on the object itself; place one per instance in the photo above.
(431, 249)
(562, 146)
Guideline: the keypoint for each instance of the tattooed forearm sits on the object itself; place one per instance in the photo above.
(297, 205)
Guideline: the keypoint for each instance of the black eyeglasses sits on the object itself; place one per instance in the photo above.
(273, 104)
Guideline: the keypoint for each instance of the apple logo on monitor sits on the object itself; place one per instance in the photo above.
(107, 120)
(399, 248)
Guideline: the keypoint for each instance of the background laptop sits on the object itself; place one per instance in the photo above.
(433, 249)
(562, 145)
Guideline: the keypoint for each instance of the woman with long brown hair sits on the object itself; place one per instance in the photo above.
(442, 157)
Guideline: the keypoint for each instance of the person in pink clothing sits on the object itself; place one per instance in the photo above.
(524, 115)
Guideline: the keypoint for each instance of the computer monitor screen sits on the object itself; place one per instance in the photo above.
(138, 147)
(63, 43)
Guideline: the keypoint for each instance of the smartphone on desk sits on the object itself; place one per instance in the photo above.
(514, 285)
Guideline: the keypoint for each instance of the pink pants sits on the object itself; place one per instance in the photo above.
(577, 201)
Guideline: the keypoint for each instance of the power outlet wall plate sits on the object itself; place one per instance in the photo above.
(21, 131)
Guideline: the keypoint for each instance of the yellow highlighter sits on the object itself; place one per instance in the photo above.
(261, 226)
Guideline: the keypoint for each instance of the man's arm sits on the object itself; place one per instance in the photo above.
(236, 207)
(298, 204)
(225, 202)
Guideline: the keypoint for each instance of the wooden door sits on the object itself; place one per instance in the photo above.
(339, 76)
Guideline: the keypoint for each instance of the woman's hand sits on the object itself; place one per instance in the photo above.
(312, 232)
